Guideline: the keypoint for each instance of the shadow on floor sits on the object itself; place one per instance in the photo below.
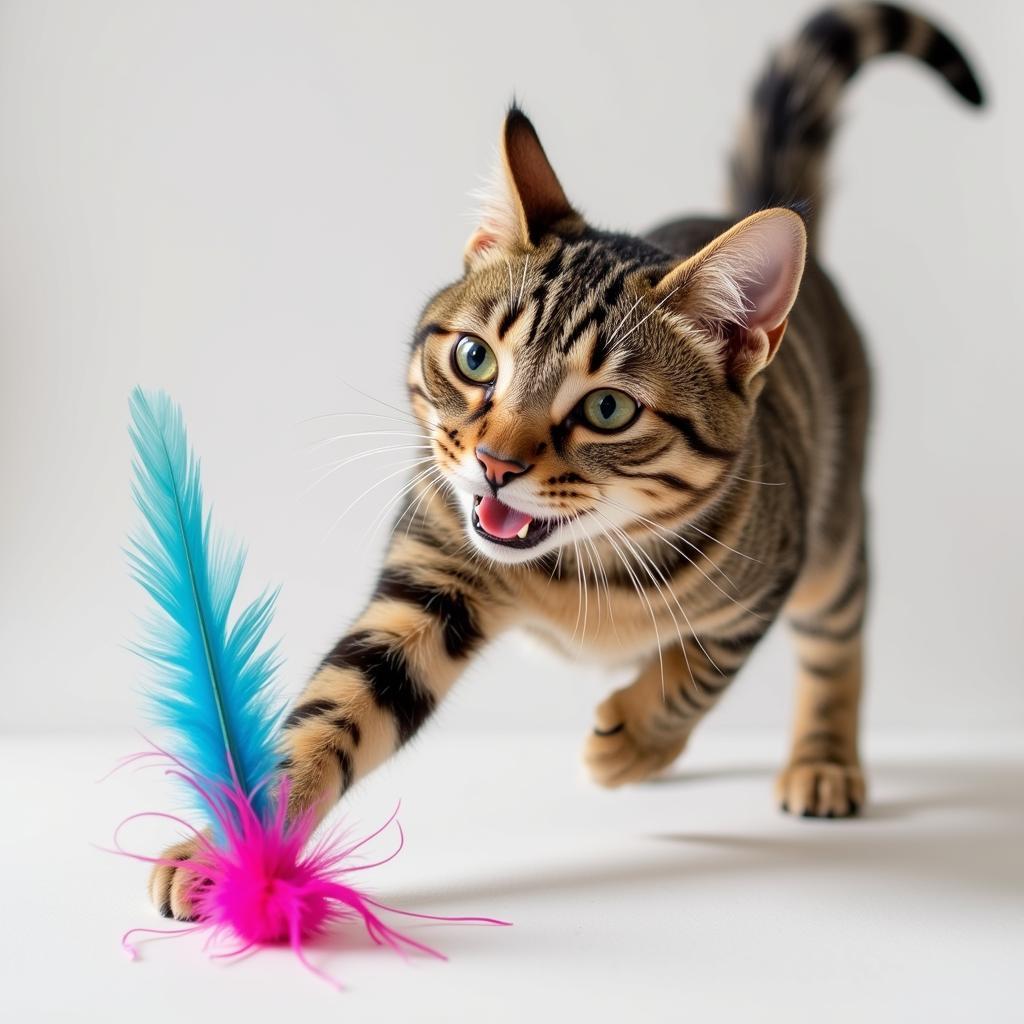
(958, 830)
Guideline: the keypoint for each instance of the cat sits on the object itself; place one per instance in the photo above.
(627, 459)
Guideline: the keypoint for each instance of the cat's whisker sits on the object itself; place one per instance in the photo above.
(644, 319)
(511, 286)
(334, 467)
(556, 566)
(350, 415)
(369, 490)
(423, 482)
(435, 488)
(650, 608)
(522, 286)
(646, 560)
(599, 562)
(622, 322)
(686, 618)
(646, 563)
(729, 597)
(703, 533)
(668, 533)
(649, 523)
(759, 483)
(579, 594)
(382, 514)
(431, 488)
(380, 401)
(587, 550)
(721, 543)
(584, 589)
(323, 442)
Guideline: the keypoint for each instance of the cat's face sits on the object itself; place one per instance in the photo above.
(577, 384)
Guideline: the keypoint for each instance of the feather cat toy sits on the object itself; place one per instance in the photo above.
(213, 692)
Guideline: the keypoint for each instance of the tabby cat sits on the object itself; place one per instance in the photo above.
(628, 461)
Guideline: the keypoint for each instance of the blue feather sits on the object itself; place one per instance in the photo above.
(213, 685)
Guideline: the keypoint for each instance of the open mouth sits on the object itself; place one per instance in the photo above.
(507, 526)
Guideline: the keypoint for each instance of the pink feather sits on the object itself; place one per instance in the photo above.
(259, 885)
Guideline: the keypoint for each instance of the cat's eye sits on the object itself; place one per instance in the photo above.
(609, 409)
(474, 360)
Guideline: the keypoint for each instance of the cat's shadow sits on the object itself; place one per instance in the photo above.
(959, 828)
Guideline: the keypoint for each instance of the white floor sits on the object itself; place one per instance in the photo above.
(686, 899)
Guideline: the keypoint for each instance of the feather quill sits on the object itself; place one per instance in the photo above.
(213, 685)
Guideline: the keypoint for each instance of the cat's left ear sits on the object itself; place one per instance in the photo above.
(741, 287)
(526, 200)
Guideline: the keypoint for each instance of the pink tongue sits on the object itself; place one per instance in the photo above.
(499, 520)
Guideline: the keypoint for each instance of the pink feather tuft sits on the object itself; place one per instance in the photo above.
(258, 885)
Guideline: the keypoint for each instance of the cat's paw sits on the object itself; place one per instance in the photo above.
(171, 887)
(616, 753)
(821, 790)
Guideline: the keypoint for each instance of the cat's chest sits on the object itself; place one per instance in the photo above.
(615, 625)
(601, 626)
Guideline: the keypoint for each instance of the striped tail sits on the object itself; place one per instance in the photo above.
(780, 157)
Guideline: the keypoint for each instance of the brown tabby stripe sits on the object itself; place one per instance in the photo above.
(388, 677)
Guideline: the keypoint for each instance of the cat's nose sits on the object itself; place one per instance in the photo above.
(498, 471)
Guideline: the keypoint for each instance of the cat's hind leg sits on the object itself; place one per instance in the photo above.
(823, 778)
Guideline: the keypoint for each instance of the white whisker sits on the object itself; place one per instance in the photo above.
(349, 415)
(380, 401)
(760, 483)
(739, 604)
(390, 504)
(522, 286)
(643, 320)
(380, 483)
(721, 543)
(348, 460)
(669, 533)
(429, 491)
(622, 322)
(646, 600)
(323, 442)
(649, 561)
(584, 589)
(511, 286)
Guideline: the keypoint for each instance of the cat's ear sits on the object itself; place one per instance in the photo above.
(740, 287)
(525, 200)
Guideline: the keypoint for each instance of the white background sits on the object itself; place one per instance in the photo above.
(247, 205)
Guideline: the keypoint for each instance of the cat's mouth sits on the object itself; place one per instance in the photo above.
(501, 524)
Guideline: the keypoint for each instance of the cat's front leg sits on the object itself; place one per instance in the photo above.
(428, 615)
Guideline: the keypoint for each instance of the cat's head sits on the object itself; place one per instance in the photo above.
(574, 382)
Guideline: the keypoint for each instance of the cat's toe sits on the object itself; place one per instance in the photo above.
(820, 790)
(172, 886)
(615, 754)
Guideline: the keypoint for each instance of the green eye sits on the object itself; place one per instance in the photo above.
(609, 409)
(475, 360)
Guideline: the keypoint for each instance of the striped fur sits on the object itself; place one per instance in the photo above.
(733, 498)
(780, 158)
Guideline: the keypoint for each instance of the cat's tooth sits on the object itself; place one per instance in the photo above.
(523, 532)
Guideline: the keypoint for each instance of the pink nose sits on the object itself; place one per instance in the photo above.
(497, 470)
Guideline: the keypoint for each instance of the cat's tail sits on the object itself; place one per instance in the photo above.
(779, 160)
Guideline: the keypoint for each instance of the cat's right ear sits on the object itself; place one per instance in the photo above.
(525, 200)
